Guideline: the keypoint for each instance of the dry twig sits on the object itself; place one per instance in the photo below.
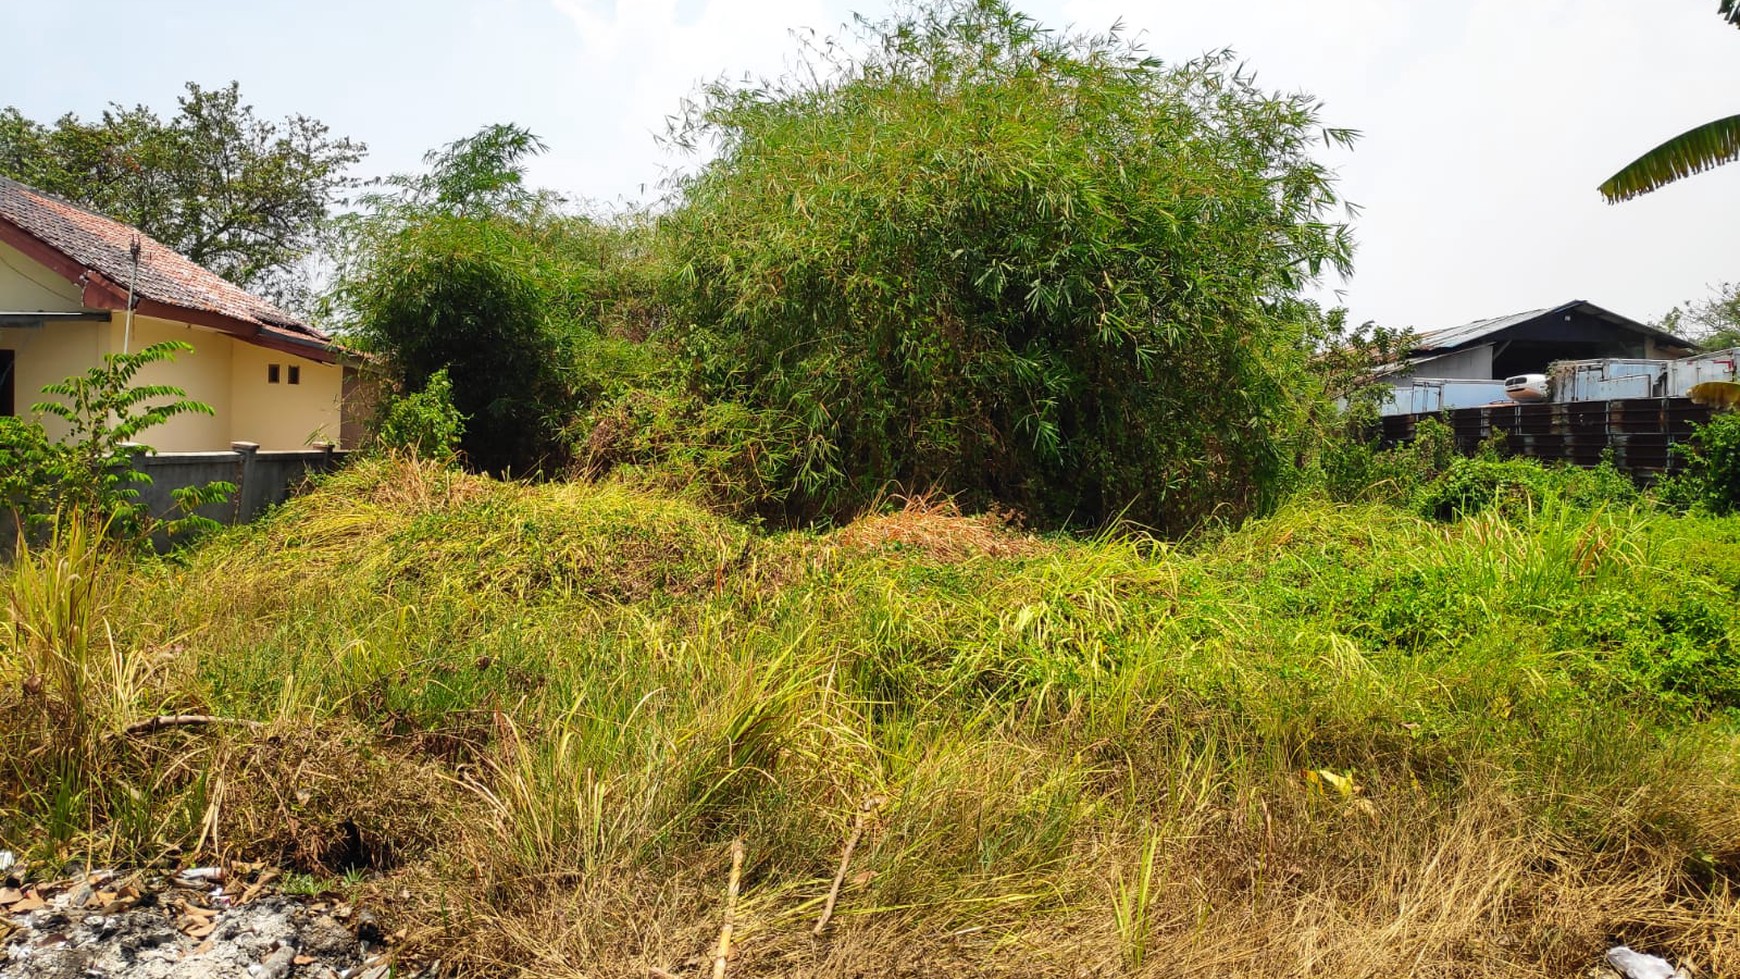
(864, 811)
(153, 724)
(730, 910)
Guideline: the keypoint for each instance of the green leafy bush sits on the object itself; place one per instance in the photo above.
(464, 269)
(1711, 477)
(1356, 469)
(1038, 268)
(90, 473)
(1510, 486)
(424, 423)
(465, 295)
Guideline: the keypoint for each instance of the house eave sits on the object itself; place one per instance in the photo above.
(100, 294)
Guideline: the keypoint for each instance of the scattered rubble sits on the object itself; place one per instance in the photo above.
(193, 924)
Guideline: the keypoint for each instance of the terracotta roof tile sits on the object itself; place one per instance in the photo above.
(165, 275)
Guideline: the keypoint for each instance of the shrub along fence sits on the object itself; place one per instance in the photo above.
(1640, 432)
(262, 479)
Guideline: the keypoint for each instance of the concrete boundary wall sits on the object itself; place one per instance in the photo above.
(263, 479)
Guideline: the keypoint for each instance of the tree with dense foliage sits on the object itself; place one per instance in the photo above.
(243, 196)
(1713, 323)
(1030, 267)
(1693, 151)
(454, 271)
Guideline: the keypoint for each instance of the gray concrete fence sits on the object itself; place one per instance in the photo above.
(263, 479)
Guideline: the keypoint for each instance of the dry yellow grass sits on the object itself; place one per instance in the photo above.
(935, 528)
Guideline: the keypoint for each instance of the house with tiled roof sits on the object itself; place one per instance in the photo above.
(67, 278)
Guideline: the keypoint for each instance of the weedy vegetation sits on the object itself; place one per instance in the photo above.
(946, 493)
(1345, 739)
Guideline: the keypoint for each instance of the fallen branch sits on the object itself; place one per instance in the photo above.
(730, 910)
(185, 720)
(864, 811)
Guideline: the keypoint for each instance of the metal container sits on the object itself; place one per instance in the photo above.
(1609, 379)
(1429, 395)
(1685, 374)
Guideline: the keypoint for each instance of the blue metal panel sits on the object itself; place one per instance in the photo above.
(1429, 395)
(1717, 366)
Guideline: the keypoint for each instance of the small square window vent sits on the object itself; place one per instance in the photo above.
(295, 374)
(271, 373)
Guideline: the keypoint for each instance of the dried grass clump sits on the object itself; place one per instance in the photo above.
(390, 522)
(935, 528)
(328, 799)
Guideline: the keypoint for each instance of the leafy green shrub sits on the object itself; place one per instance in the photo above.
(1513, 487)
(1517, 487)
(29, 465)
(1358, 470)
(90, 472)
(425, 423)
(460, 269)
(1711, 478)
(1671, 644)
(465, 295)
(1035, 268)
(1600, 485)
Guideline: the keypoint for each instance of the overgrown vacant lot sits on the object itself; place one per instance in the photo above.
(1337, 742)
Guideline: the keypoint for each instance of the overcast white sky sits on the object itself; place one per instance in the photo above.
(1488, 123)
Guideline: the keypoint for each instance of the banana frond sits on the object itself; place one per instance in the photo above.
(1694, 151)
(1731, 11)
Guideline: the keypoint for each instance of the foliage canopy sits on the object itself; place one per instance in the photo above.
(1693, 151)
(1039, 268)
(1713, 322)
(459, 272)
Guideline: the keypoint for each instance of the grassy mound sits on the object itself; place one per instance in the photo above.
(1339, 741)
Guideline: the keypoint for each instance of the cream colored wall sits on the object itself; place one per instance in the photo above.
(203, 372)
(28, 287)
(46, 354)
(283, 415)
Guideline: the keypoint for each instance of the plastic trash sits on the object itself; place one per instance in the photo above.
(1637, 965)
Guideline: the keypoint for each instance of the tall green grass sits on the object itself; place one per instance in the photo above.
(1338, 741)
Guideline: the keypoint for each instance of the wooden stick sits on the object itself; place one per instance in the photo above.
(730, 909)
(846, 858)
(184, 720)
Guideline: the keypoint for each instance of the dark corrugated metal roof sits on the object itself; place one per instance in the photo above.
(1437, 341)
